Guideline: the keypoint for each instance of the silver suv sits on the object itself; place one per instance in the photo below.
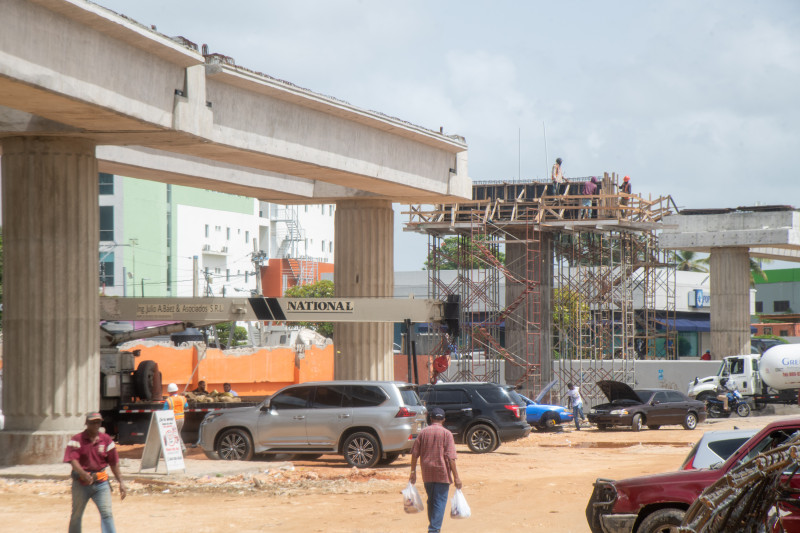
(369, 422)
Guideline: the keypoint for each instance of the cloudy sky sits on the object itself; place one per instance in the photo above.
(698, 100)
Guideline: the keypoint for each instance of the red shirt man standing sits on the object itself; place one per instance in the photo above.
(89, 453)
(436, 451)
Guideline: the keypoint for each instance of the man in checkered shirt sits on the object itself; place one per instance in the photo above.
(436, 451)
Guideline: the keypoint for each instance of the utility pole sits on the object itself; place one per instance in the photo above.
(133, 242)
(259, 256)
(195, 279)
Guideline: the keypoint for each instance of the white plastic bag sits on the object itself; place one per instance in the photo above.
(412, 501)
(458, 506)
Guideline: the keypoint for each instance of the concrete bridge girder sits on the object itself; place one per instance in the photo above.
(83, 89)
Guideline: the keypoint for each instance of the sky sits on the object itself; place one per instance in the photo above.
(697, 100)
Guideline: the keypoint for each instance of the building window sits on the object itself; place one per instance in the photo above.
(106, 182)
(784, 333)
(759, 307)
(780, 306)
(106, 222)
(246, 236)
(306, 208)
(228, 234)
(767, 330)
(208, 230)
(323, 245)
(330, 210)
(227, 274)
(106, 269)
(330, 246)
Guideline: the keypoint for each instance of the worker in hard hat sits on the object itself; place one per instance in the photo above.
(626, 188)
(178, 405)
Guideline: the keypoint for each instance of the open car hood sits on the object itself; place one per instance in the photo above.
(545, 390)
(616, 390)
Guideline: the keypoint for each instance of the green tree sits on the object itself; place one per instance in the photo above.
(320, 289)
(755, 270)
(224, 332)
(569, 309)
(457, 253)
(688, 261)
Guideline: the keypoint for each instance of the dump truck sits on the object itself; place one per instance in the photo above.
(770, 378)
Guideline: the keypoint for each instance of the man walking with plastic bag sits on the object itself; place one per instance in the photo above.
(436, 451)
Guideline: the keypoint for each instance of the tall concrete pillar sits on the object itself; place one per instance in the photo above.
(529, 327)
(364, 267)
(51, 362)
(730, 305)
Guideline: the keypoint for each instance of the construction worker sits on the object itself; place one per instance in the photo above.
(178, 405)
(626, 188)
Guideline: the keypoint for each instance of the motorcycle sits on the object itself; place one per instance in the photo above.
(736, 403)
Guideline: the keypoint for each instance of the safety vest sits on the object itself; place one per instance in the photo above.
(176, 403)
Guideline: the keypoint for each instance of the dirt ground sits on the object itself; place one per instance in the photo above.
(539, 484)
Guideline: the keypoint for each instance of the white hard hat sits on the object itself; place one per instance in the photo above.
(172, 388)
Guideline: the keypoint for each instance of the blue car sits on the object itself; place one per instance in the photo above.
(543, 416)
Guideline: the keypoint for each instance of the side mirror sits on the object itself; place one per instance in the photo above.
(265, 406)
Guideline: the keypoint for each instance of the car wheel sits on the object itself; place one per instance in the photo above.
(361, 450)
(235, 445)
(389, 459)
(654, 426)
(690, 422)
(636, 422)
(481, 439)
(743, 410)
(549, 422)
(662, 521)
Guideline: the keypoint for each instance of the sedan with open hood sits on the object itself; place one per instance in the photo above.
(645, 407)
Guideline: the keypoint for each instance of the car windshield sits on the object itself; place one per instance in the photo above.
(644, 395)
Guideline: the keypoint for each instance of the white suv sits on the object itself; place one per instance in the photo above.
(368, 422)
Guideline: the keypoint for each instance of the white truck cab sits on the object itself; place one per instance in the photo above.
(741, 371)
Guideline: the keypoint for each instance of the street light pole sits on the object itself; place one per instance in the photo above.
(148, 279)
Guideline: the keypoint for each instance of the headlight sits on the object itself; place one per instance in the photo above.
(619, 412)
(592, 412)
(211, 416)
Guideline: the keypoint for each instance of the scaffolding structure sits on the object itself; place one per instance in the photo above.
(580, 293)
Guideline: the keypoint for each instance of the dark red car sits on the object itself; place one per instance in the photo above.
(657, 503)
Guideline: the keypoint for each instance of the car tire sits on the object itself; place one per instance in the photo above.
(662, 521)
(636, 422)
(147, 379)
(235, 445)
(389, 459)
(361, 450)
(654, 426)
(549, 422)
(690, 422)
(481, 439)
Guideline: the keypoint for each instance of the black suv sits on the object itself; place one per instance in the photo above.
(480, 415)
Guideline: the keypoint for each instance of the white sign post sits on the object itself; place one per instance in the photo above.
(164, 440)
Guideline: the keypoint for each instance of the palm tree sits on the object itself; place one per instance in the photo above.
(755, 270)
(687, 261)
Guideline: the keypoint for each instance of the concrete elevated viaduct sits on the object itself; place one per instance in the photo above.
(83, 90)
(731, 237)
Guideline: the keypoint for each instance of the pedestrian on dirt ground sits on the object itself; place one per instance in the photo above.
(178, 404)
(201, 388)
(436, 451)
(89, 453)
(227, 388)
(706, 356)
(575, 401)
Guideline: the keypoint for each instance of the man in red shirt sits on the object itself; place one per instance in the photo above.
(436, 451)
(89, 453)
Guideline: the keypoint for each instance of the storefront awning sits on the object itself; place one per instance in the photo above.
(690, 324)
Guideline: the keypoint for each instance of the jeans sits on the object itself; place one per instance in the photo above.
(100, 493)
(437, 504)
(577, 412)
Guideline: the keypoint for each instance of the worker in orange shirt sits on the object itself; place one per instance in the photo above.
(178, 405)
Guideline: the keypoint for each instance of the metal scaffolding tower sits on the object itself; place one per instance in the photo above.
(547, 293)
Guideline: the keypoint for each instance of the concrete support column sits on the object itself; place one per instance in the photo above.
(730, 304)
(529, 327)
(51, 362)
(364, 267)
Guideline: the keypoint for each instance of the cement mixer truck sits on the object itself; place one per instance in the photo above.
(770, 378)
